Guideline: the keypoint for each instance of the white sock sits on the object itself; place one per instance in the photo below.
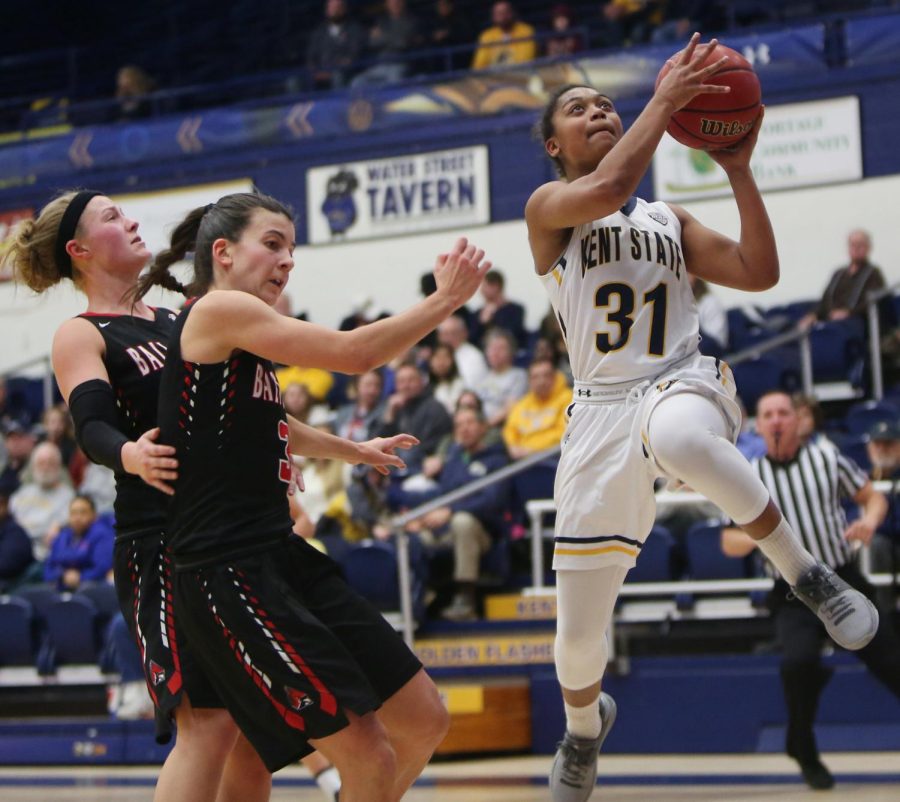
(785, 551)
(583, 722)
(329, 781)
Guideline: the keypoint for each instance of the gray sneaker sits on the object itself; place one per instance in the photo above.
(574, 772)
(849, 617)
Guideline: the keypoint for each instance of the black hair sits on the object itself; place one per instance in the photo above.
(86, 498)
(226, 218)
(543, 129)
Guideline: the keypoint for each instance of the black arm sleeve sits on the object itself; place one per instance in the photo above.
(93, 408)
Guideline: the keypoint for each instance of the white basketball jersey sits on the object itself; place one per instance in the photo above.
(622, 297)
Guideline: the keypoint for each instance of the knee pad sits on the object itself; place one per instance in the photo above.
(585, 602)
(687, 434)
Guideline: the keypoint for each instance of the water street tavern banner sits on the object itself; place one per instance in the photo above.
(399, 195)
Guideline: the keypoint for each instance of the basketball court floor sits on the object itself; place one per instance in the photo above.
(861, 777)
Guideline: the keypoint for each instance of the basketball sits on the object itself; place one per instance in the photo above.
(713, 121)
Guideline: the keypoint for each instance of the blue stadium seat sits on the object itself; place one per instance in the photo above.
(370, 568)
(838, 350)
(756, 377)
(105, 600)
(72, 627)
(17, 635)
(655, 561)
(530, 485)
(865, 414)
(705, 557)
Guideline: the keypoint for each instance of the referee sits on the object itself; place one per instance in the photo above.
(807, 482)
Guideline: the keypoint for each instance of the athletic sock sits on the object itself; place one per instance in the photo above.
(329, 781)
(785, 551)
(583, 722)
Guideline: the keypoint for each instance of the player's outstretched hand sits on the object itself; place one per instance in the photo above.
(458, 274)
(379, 452)
(687, 77)
(153, 462)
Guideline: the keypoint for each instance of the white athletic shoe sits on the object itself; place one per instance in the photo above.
(849, 617)
(574, 772)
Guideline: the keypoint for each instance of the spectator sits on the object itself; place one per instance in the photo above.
(498, 312)
(810, 419)
(849, 286)
(712, 315)
(507, 41)
(334, 47)
(18, 442)
(133, 85)
(627, 22)
(504, 383)
(538, 420)
(749, 443)
(450, 28)
(564, 41)
(470, 524)
(58, 428)
(15, 546)
(129, 700)
(41, 505)
(299, 403)
(883, 447)
(412, 409)
(394, 35)
(443, 377)
(359, 314)
(83, 549)
(357, 419)
(427, 286)
(807, 483)
(469, 359)
(680, 18)
(99, 482)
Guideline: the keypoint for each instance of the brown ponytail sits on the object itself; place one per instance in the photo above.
(32, 253)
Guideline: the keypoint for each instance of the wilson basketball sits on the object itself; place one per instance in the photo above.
(712, 121)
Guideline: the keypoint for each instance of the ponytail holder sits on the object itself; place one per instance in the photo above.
(206, 210)
(67, 227)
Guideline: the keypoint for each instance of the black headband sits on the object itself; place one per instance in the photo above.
(67, 227)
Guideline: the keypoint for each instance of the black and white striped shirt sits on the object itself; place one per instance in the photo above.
(808, 490)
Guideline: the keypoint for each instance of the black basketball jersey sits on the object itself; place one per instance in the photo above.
(135, 352)
(229, 427)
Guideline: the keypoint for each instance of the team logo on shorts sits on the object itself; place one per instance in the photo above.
(660, 218)
(157, 673)
(297, 699)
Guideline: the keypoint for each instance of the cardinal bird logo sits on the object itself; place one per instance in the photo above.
(297, 699)
(157, 673)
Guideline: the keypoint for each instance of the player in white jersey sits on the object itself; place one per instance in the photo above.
(646, 403)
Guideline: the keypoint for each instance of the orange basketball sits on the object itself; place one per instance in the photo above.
(712, 121)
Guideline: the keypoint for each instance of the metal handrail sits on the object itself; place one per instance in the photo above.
(398, 522)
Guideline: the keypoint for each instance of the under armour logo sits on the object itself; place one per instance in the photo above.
(586, 393)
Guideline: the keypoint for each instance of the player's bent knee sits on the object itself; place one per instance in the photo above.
(580, 661)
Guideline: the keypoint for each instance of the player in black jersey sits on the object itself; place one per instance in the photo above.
(300, 660)
(108, 362)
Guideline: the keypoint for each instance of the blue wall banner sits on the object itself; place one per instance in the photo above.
(400, 195)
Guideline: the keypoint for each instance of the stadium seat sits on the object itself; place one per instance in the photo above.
(105, 600)
(371, 570)
(865, 414)
(532, 484)
(838, 351)
(72, 627)
(17, 635)
(704, 553)
(655, 561)
(754, 377)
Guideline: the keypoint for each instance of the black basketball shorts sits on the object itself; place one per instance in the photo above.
(288, 645)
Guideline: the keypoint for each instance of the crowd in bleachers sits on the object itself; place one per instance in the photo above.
(322, 44)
